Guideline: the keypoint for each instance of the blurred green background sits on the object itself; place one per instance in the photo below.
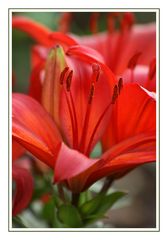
(21, 43)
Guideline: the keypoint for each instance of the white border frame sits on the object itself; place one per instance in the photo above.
(157, 11)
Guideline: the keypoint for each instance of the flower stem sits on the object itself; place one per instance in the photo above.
(61, 192)
(75, 199)
(107, 184)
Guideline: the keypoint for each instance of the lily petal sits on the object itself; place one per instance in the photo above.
(117, 48)
(34, 129)
(141, 77)
(35, 30)
(24, 189)
(134, 113)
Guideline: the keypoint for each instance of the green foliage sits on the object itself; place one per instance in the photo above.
(98, 206)
(70, 216)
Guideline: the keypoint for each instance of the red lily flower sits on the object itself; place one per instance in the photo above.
(131, 43)
(74, 117)
(22, 178)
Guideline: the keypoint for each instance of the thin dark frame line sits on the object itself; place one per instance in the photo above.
(156, 10)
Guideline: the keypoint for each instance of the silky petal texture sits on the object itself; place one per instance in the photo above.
(24, 189)
(117, 48)
(140, 76)
(134, 113)
(34, 129)
(79, 172)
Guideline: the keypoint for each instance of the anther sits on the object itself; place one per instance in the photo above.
(92, 89)
(152, 69)
(69, 80)
(120, 85)
(115, 94)
(62, 75)
(133, 61)
(96, 72)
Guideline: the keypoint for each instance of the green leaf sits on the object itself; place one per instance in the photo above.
(100, 204)
(70, 216)
(84, 197)
(108, 201)
(90, 207)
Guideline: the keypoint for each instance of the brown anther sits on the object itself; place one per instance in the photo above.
(120, 85)
(96, 71)
(152, 69)
(69, 80)
(133, 61)
(62, 75)
(115, 94)
(92, 89)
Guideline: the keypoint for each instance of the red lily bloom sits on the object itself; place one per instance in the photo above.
(74, 117)
(130, 43)
(23, 180)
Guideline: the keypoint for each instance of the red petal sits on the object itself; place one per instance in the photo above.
(35, 89)
(33, 128)
(119, 166)
(89, 55)
(35, 30)
(141, 77)
(79, 172)
(24, 189)
(134, 113)
(70, 163)
(117, 49)
(80, 90)
(62, 39)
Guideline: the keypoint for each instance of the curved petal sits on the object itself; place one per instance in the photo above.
(79, 172)
(36, 79)
(134, 113)
(33, 128)
(140, 76)
(35, 30)
(24, 189)
(117, 48)
(40, 33)
(120, 165)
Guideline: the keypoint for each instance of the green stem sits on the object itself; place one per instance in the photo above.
(107, 184)
(75, 199)
(18, 222)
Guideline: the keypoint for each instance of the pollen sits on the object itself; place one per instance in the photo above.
(120, 85)
(91, 94)
(62, 75)
(115, 94)
(69, 80)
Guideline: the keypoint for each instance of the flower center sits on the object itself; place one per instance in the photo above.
(67, 77)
